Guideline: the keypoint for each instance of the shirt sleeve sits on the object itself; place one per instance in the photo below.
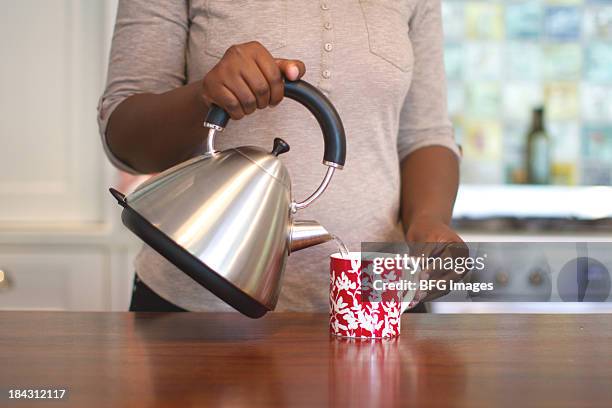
(424, 117)
(147, 56)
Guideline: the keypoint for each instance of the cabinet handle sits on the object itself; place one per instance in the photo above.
(5, 281)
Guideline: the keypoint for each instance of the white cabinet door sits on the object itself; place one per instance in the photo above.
(51, 160)
(49, 278)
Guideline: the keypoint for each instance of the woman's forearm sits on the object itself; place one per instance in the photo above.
(151, 132)
(430, 178)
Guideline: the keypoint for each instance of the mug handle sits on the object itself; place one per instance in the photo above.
(406, 305)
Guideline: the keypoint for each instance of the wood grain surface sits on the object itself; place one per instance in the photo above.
(285, 360)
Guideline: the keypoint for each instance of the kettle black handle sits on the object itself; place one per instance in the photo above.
(322, 109)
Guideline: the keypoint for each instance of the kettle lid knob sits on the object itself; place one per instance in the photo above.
(280, 147)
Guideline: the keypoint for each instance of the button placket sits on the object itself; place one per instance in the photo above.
(327, 47)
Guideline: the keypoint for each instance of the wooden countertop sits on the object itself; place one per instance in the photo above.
(284, 360)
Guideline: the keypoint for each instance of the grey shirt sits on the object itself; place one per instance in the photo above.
(379, 61)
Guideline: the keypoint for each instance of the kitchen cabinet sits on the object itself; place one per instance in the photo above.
(62, 246)
(53, 278)
(51, 164)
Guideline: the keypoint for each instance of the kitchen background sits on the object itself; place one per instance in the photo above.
(61, 243)
(503, 59)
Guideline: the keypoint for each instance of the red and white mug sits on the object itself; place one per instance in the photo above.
(357, 310)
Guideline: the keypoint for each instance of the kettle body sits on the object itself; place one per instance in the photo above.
(227, 218)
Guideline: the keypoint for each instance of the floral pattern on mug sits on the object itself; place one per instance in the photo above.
(357, 314)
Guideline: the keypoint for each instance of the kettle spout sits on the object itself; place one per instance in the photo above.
(305, 234)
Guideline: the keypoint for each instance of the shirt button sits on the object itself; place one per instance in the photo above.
(328, 26)
(329, 47)
(327, 74)
(324, 6)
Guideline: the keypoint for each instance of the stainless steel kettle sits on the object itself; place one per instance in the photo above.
(226, 218)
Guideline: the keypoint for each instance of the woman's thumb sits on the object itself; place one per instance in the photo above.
(291, 69)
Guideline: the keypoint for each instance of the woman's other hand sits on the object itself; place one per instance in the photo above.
(248, 78)
(431, 229)
(433, 238)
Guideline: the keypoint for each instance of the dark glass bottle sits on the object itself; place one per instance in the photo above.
(538, 150)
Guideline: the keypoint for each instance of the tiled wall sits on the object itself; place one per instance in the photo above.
(503, 58)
